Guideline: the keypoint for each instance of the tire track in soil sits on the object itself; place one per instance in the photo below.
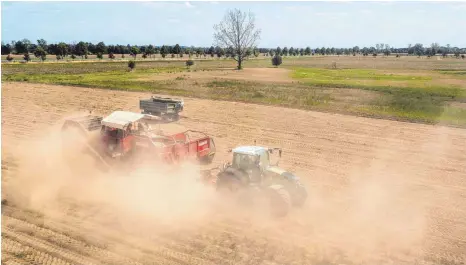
(324, 146)
(110, 238)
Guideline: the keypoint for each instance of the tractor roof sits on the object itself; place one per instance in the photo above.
(119, 119)
(250, 150)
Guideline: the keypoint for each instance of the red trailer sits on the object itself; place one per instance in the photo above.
(128, 135)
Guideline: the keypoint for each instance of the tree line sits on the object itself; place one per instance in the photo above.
(82, 49)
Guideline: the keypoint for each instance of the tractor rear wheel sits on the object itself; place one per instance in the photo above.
(280, 201)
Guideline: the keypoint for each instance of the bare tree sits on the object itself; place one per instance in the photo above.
(237, 30)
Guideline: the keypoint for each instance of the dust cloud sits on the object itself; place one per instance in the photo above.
(56, 181)
(372, 217)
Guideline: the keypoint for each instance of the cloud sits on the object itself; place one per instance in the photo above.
(366, 11)
(188, 5)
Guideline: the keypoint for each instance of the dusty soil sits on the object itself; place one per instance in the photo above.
(280, 75)
(381, 192)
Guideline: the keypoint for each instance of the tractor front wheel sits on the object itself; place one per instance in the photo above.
(280, 201)
(300, 195)
(227, 182)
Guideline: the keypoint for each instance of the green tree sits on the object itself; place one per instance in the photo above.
(322, 51)
(176, 49)
(101, 48)
(150, 50)
(22, 46)
(307, 51)
(435, 48)
(134, 51)
(6, 49)
(62, 49)
(42, 43)
(278, 51)
(211, 51)
(285, 51)
(40, 53)
(219, 51)
(80, 49)
(164, 51)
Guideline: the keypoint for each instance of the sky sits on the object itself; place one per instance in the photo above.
(291, 24)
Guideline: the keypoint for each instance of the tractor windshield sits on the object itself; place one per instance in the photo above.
(244, 161)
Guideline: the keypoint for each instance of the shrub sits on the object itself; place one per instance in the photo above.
(276, 60)
(131, 64)
(73, 56)
(144, 55)
(59, 57)
(122, 55)
(462, 56)
(189, 63)
(26, 57)
(173, 55)
(111, 55)
(99, 55)
(9, 58)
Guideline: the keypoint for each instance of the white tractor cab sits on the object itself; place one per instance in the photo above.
(251, 167)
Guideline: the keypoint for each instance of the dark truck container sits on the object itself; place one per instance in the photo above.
(166, 108)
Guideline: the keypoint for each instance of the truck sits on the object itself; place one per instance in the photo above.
(165, 108)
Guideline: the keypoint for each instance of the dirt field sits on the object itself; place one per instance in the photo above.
(381, 192)
(272, 75)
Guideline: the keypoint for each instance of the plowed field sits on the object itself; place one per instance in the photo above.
(380, 192)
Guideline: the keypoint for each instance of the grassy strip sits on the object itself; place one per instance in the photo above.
(416, 100)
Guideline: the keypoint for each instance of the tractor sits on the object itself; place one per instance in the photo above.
(126, 136)
(251, 173)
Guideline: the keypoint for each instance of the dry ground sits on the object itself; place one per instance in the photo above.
(274, 75)
(381, 192)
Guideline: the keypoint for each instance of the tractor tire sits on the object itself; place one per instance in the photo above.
(280, 201)
(300, 196)
(228, 182)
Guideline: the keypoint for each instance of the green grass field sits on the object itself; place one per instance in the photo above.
(410, 88)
